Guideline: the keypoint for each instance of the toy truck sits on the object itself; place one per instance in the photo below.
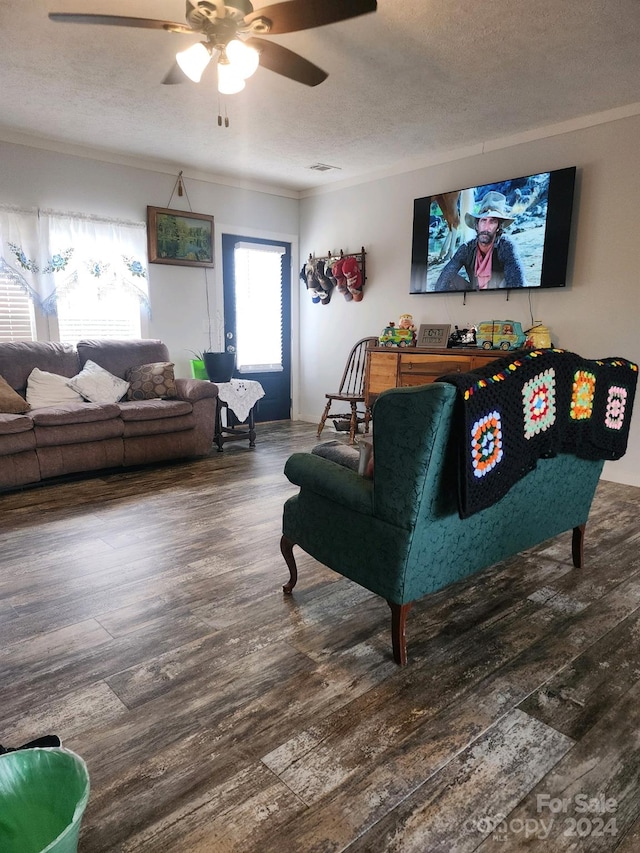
(500, 334)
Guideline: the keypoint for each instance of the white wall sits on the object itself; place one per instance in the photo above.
(598, 314)
(33, 177)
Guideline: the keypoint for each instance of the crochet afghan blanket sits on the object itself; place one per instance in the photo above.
(532, 405)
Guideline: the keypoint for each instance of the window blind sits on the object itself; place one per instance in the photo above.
(16, 313)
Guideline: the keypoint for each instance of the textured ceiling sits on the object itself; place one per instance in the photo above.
(414, 80)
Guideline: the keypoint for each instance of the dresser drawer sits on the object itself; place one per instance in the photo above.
(420, 369)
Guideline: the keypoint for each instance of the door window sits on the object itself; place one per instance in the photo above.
(258, 292)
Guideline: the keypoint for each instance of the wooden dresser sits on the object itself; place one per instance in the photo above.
(398, 367)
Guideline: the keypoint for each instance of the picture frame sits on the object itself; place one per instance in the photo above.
(433, 335)
(179, 237)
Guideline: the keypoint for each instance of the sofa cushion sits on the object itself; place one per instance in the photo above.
(49, 389)
(10, 401)
(159, 426)
(18, 358)
(12, 424)
(149, 381)
(118, 356)
(74, 413)
(338, 452)
(97, 431)
(358, 459)
(97, 385)
(148, 410)
(16, 443)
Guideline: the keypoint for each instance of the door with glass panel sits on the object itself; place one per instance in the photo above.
(257, 317)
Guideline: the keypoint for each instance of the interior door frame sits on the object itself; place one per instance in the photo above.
(278, 399)
(218, 300)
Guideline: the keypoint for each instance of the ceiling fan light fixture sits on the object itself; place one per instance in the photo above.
(242, 58)
(194, 60)
(229, 81)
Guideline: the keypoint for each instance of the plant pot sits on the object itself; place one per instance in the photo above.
(219, 365)
(198, 370)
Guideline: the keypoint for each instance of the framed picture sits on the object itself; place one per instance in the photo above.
(179, 237)
(433, 335)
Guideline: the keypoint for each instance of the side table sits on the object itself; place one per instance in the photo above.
(240, 397)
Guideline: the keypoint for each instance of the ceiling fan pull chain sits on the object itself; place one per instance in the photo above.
(226, 117)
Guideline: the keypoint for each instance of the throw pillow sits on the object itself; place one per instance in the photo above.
(338, 452)
(49, 389)
(98, 385)
(152, 381)
(11, 403)
(359, 459)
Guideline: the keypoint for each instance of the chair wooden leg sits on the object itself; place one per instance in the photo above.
(353, 423)
(286, 548)
(577, 546)
(324, 417)
(399, 613)
(367, 419)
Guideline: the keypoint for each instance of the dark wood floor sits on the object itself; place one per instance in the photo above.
(142, 620)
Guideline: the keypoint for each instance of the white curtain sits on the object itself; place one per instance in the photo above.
(20, 249)
(50, 254)
(90, 252)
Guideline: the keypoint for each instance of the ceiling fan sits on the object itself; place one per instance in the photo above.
(230, 30)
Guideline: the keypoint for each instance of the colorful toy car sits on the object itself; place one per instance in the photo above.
(392, 336)
(500, 334)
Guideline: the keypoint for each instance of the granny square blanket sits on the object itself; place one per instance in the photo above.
(532, 405)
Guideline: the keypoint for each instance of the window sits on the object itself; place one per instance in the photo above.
(88, 313)
(96, 275)
(258, 296)
(86, 273)
(16, 313)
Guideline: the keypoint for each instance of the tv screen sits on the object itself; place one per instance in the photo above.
(506, 235)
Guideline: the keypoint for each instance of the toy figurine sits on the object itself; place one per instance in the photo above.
(462, 337)
(406, 322)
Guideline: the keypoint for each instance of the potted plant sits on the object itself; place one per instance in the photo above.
(198, 370)
(217, 366)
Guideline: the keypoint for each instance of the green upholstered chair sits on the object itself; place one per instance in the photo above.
(400, 534)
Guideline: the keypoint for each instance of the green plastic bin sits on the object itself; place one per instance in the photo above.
(43, 795)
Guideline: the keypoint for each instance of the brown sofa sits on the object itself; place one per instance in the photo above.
(74, 437)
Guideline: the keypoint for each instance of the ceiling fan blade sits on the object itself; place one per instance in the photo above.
(293, 15)
(174, 76)
(119, 21)
(283, 61)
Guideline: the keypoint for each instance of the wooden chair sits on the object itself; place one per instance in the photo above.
(351, 390)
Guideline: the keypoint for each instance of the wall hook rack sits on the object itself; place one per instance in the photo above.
(321, 276)
(332, 257)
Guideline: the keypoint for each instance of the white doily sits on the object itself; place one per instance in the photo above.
(240, 395)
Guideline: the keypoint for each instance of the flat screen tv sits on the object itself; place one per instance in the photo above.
(506, 235)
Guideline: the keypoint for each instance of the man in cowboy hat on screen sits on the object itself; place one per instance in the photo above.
(491, 259)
